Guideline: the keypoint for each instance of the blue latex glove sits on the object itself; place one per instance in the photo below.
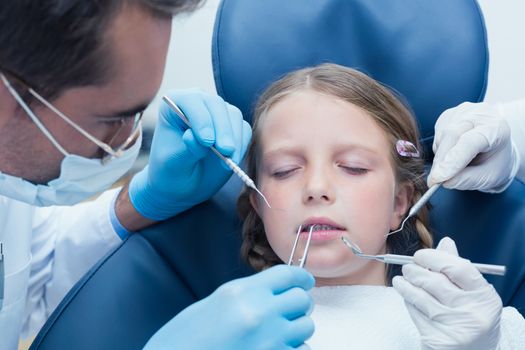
(268, 310)
(182, 171)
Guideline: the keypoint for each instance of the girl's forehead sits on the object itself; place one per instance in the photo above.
(308, 117)
(309, 106)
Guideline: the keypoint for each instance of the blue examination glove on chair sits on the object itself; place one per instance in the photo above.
(268, 310)
(182, 171)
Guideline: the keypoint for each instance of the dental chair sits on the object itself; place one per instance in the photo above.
(433, 52)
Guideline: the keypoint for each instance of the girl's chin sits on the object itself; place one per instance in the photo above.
(334, 272)
(361, 272)
(350, 279)
(334, 265)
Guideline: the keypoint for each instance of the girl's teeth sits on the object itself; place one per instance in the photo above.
(322, 228)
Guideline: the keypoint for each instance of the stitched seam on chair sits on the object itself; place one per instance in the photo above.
(168, 262)
(481, 18)
(173, 268)
(217, 57)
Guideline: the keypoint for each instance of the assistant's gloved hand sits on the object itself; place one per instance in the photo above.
(450, 302)
(182, 171)
(473, 149)
(268, 310)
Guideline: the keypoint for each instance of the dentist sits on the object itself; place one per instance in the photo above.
(75, 78)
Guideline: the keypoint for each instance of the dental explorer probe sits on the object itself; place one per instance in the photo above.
(417, 206)
(230, 163)
(406, 259)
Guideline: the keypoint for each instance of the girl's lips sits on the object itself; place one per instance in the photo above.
(320, 221)
(324, 229)
(326, 235)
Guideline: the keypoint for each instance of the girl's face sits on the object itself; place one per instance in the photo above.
(325, 161)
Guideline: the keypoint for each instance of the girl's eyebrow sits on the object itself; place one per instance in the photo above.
(340, 149)
(289, 151)
(351, 147)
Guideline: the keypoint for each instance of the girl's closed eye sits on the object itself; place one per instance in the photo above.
(284, 172)
(353, 169)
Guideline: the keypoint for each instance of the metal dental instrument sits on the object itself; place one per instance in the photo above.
(417, 206)
(231, 164)
(302, 260)
(405, 259)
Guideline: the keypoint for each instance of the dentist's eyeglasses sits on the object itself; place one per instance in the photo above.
(127, 132)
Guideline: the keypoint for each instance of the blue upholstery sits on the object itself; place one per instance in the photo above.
(433, 52)
(151, 277)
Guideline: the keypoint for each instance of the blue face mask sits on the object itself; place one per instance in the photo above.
(80, 177)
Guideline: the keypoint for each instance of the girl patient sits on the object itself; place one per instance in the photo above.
(325, 152)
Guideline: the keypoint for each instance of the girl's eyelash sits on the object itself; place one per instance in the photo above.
(354, 170)
(351, 170)
(283, 173)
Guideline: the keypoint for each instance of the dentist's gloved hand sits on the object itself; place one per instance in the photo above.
(473, 149)
(182, 171)
(450, 302)
(268, 310)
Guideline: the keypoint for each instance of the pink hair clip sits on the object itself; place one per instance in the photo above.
(407, 149)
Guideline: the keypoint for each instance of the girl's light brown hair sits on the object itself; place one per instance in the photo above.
(390, 115)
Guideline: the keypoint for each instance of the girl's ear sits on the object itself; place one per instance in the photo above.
(254, 203)
(402, 200)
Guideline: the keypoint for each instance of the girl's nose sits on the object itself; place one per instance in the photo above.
(318, 189)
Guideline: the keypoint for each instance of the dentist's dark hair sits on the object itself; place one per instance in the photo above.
(53, 45)
(386, 110)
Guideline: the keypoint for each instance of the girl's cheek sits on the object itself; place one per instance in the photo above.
(278, 193)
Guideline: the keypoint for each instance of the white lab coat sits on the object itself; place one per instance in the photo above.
(46, 251)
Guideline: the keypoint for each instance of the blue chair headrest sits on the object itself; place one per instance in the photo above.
(433, 52)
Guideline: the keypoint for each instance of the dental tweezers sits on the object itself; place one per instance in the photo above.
(302, 260)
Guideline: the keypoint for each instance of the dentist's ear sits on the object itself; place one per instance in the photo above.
(404, 193)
